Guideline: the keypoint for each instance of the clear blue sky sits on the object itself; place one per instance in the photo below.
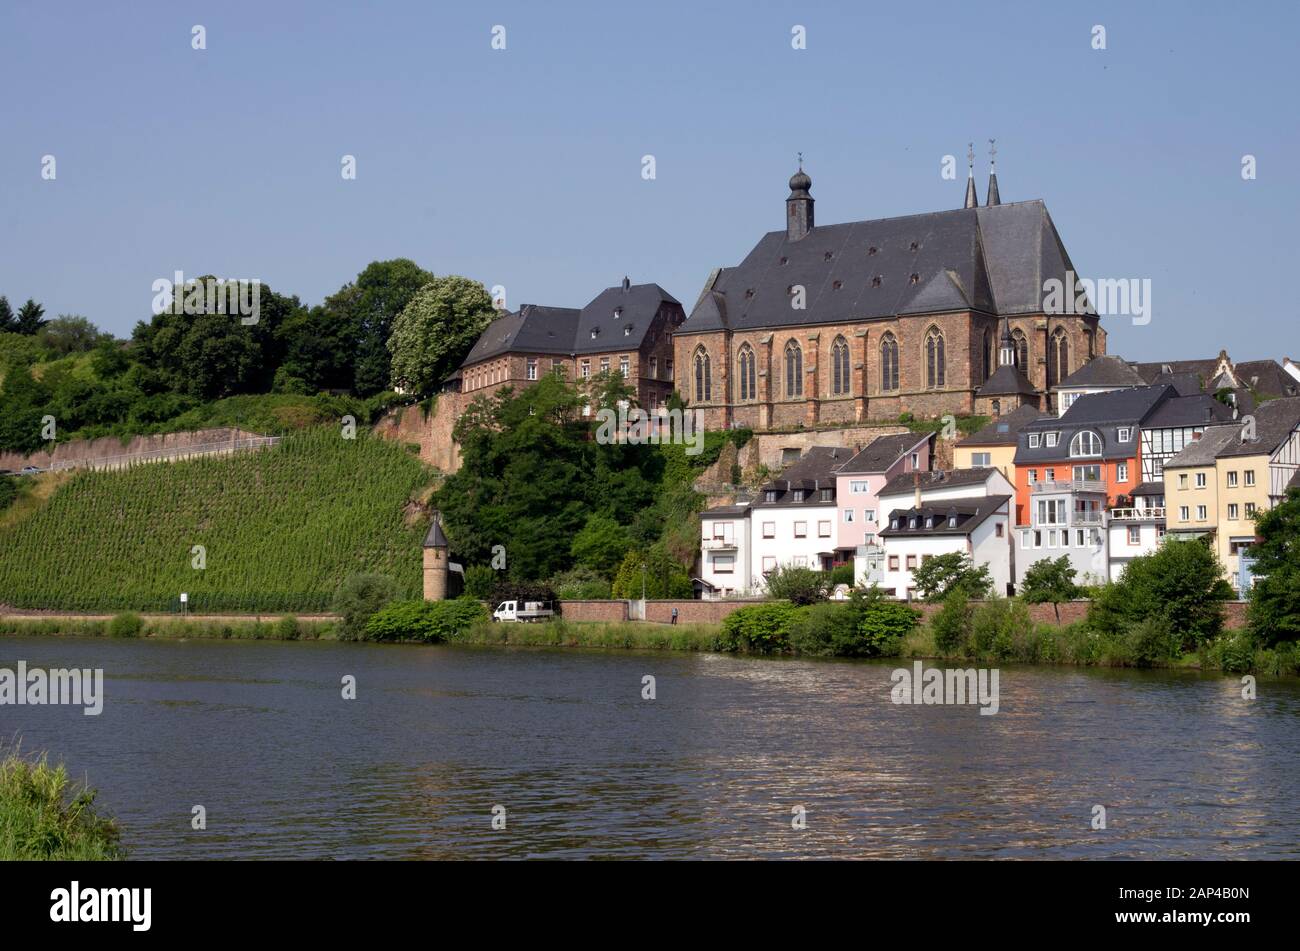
(523, 167)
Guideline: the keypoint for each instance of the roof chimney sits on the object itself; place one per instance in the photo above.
(916, 485)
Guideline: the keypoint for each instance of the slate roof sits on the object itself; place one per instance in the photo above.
(1204, 451)
(1002, 431)
(1006, 380)
(938, 479)
(1274, 422)
(991, 259)
(971, 513)
(719, 511)
(1103, 413)
(538, 329)
(1200, 410)
(434, 538)
(1202, 370)
(883, 452)
(1149, 488)
(1267, 378)
(1103, 370)
(815, 471)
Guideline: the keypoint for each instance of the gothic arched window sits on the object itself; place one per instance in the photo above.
(840, 368)
(793, 370)
(748, 374)
(1058, 359)
(1021, 344)
(703, 380)
(934, 361)
(888, 363)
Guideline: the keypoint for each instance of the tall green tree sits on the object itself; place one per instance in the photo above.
(1274, 610)
(369, 306)
(30, 318)
(7, 324)
(70, 333)
(435, 330)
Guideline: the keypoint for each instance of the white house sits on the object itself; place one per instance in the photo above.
(968, 511)
(793, 518)
(1136, 530)
(858, 485)
(725, 551)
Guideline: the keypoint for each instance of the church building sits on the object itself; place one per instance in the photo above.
(826, 324)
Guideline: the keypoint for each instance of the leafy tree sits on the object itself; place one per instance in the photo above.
(760, 628)
(601, 545)
(70, 333)
(1274, 610)
(360, 596)
(7, 324)
(29, 319)
(1181, 581)
(581, 584)
(430, 621)
(655, 572)
(1050, 581)
(435, 330)
(479, 580)
(940, 576)
(797, 585)
(369, 307)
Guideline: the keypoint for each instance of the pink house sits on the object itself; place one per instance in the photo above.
(861, 479)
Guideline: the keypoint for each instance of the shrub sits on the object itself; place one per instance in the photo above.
(286, 628)
(580, 584)
(1001, 628)
(43, 816)
(1232, 651)
(941, 575)
(952, 623)
(759, 628)
(882, 625)
(360, 596)
(429, 621)
(1153, 641)
(820, 629)
(797, 585)
(125, 624)
(479, 580)
(841, 574)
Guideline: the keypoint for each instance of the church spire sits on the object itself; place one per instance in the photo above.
(993, 198)
(972, 199)
(799, 206)
(1007, 346)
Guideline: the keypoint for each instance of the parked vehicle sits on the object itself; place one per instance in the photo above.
(32, 470)
(525, 612)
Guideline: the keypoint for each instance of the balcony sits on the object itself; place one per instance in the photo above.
(1153, 514)
(1076, 485)
(719, 544)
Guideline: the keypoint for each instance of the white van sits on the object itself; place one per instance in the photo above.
(529, 612)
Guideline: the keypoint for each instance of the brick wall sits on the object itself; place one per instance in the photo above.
(1234, 612)
(593, 610)
(693, 612)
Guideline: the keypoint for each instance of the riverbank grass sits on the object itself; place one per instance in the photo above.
(45, 816)
(630, 635)
(286, 628)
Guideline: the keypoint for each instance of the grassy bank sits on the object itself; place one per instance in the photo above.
(45, 816)
(287, 628)
(626, 635)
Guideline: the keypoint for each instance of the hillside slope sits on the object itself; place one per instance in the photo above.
(281, 527)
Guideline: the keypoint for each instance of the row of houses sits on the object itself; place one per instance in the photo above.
(1119, 466)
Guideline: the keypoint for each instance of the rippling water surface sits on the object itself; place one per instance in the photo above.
(259, 735)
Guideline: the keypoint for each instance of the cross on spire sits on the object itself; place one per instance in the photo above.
(993, 153)
(800, 154)
(970, 157)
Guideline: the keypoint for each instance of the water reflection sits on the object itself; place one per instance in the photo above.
(259, 735)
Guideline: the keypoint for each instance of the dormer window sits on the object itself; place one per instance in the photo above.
(1034, 440)
(1124, 434)
(911, 522)
(618, 312)
(826, 495)
(952, 521)
(1085, 443)
(893, 523)
(627, 331)
(929, 521)
(770, 495)
(798, 495)
(1052, 439)
(595, 332)
(914, 278)
(875, 281)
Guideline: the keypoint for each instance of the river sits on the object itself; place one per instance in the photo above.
(259, 734)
